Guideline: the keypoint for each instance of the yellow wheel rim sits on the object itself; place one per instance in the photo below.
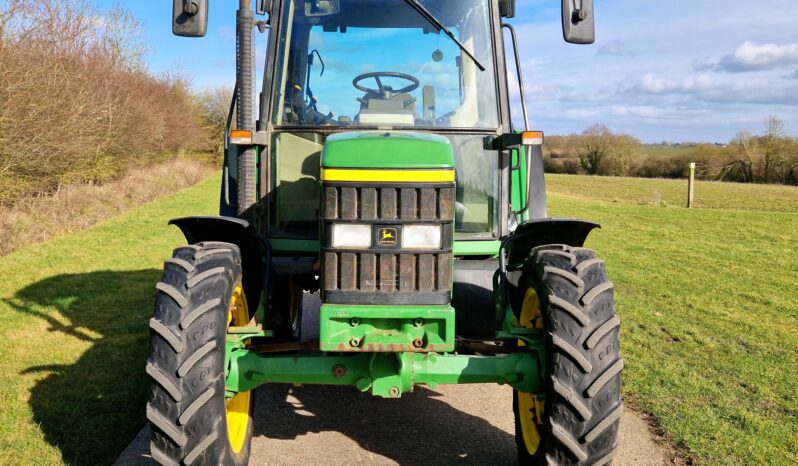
(237, 408)
(530, 410)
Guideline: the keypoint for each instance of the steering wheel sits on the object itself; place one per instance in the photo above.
(385, 91)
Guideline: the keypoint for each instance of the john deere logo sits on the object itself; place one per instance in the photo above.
(386, 236)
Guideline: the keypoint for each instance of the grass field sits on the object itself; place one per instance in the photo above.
(661, 192)
(707, 297)
(709, 306)
(74, 338)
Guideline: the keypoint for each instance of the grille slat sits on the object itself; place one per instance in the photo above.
(408, 209)
(426, 272)
(446, 203)
(388, 276)
(407, 272)
(349, 203)
(348, 271)
(368, 209)
(388, 204)
(428, 204)
(368, 272)
(330, 271)
(330, 202)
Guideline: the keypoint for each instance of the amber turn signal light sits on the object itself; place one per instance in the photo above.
(532, 138)
(240, 137)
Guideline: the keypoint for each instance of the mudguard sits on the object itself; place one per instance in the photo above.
(255, 249)
(515, 248)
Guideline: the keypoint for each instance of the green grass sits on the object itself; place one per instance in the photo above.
(707, 297)
(74, 338)
(709, 310)
(659, 192)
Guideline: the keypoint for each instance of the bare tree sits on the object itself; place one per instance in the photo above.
(774, 145)
(603, 153)
(593, 147)
(747, 148)
(213, 107)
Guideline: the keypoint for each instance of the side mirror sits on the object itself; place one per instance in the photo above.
(578, 23)
(189, 18)
(263, 6)
(507, 8)
(322, 7)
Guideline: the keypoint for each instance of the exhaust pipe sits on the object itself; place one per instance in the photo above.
(245, 120)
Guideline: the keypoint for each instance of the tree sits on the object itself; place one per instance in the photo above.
(593, 147)
(774, 146)
(213, 106)
(603, 153)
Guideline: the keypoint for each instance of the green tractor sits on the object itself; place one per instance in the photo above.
(376, 184)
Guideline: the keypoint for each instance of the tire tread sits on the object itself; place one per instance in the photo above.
(577, 301)
(186, 408)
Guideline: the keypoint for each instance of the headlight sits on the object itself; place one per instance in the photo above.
(351, 236)
(421, 237)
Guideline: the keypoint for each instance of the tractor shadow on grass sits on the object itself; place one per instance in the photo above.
(91, 409)
(419, 428)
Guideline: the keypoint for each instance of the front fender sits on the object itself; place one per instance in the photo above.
(516, 247)
(255, 249)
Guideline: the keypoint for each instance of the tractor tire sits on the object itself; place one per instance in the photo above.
(286, 310)
(582, 408)
(199, 295)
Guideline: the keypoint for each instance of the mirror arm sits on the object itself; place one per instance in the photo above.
(518, 73)
(526, 119)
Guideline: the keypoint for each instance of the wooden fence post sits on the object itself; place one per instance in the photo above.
(691, 185)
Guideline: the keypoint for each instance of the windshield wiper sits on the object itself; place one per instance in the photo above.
(440, 27)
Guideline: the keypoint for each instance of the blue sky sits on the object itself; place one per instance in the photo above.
(670, 70)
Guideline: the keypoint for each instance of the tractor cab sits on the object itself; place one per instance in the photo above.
(378, 187)
(384, 66)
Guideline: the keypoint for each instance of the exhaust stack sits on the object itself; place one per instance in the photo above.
(245, 120)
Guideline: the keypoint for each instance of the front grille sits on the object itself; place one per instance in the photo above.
(387, 274)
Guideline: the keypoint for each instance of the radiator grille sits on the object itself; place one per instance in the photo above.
(387, 275)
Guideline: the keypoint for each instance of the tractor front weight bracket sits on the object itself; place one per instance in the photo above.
(387, 375)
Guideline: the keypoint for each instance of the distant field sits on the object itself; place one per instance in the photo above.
(661, 192)
(707, 298)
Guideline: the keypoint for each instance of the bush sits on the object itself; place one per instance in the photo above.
(77, 103)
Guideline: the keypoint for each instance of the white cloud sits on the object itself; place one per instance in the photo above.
(643, 111)
(709, 88)
(582, 114)
(755, 57)
(650, 83)
(614, 48)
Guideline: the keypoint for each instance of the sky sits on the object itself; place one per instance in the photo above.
(676, 70)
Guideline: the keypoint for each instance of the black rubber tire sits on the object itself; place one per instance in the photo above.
(186, 408)
(583, 385)
(285, 308)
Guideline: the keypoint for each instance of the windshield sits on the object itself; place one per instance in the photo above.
(382, 64)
